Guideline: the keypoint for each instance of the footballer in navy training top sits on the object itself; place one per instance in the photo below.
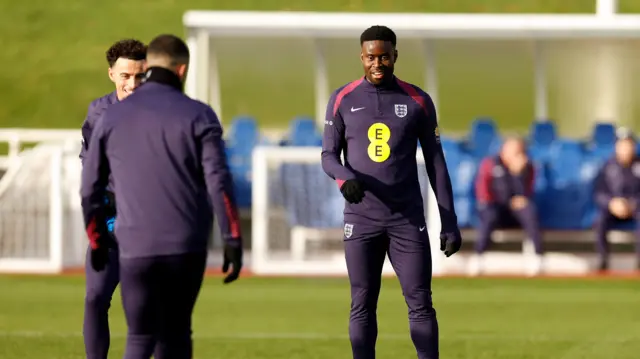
(377, 122)
(126, 60)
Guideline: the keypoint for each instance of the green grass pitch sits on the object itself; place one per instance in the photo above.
(53, 61)
(277, 318)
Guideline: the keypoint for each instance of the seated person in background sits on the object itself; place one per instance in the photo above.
(617, 195)
(504, 191)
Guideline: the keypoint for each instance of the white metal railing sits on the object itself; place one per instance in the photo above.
(16, 138)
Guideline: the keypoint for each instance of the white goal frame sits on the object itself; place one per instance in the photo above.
(66, 244)
(54, 263)
(262, 264)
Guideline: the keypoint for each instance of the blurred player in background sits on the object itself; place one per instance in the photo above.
(165, 154)
(377, 121)
(504, 191)
(126, 70)
(617, 194)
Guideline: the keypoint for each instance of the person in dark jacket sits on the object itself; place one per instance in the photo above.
(504, 193)
(126, 70)
(165, 154)
(377, 122)
(617, 195)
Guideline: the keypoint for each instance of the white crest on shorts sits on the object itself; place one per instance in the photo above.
(401, 110)
(348, 230)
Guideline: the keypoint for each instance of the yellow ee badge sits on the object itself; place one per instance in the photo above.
(379, 135)
(436, 132)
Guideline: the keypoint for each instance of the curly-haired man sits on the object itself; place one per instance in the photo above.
(126, 59)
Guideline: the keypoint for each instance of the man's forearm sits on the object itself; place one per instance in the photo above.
(603, 199)
(334, 168)
(441, 183)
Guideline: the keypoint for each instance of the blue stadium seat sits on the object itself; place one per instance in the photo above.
(243, 133)
(240, 168)
(603, 140)
(591, 165)
(599, 148)
(604, 134)
(243, 137)
(568, 197)
(450, 145)
(462, 170)
(482, 135)
(542, 135)
(303, 132)
(495, 146)
(541, 184)
(321, 207)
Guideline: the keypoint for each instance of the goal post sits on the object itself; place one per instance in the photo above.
(40, 229)
(297, 211)
(22, 252)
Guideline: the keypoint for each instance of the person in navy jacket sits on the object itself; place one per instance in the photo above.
(617, 195)
(377, 121)
(126, 70)
(504, 193)
(165, 154)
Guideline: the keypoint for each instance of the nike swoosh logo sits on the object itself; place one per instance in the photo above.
(422, 228)
(356, 109)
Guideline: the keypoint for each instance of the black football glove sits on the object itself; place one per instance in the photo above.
(110, 213)
(233, 257)
(450, 242)
(100, 240)
(99, 258)
(352, 191)
(110, 204)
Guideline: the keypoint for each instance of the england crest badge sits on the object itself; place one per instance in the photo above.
(401, 110)
(348, 230)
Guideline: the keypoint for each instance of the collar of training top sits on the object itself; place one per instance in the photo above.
(163, 76)
(390, 84)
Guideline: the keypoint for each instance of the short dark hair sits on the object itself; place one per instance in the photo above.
(131, 49)
(378, 33)
(169, 46)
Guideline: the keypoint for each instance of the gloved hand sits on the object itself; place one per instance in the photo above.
(99, 258)
(97, 233)
(233, 257)
(352, 191)
(110, 202)
(450, 242)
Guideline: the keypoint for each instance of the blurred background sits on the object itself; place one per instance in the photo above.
(54, 65)
(58, 48)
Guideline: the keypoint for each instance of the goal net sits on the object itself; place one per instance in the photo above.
(40, 217)
(297, 214)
